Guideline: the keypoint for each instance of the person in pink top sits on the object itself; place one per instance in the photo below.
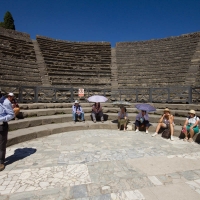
(97, 111)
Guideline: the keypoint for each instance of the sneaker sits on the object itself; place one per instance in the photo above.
(95, 121)
(136, 130)
(102, 121)
(172, 139)
(154, 134)
(2, 167)
(147, 131)
(185, 139)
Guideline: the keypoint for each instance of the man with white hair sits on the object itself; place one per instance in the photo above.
(77, 112)
(7, 102)
(6, 114)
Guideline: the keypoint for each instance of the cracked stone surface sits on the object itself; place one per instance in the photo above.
(100, 164)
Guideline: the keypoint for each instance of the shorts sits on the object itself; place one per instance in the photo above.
(196, 128)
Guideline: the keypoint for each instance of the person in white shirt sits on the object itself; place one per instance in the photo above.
(77, 112)
(122, 118)
(191, 126)
(6, 114)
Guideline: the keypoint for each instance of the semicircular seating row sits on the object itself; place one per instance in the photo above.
(42, 119)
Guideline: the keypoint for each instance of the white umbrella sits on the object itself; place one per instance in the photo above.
(97, 98)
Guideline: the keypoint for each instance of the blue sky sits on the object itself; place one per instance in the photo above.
(104, 20)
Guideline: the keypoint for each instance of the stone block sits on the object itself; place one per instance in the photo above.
(50, 105)
(35, 122)
(42, 131)
(33, 106)
(18, 136)
(18, 124)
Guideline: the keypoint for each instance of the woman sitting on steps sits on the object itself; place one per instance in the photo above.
(122, 118)
(191, 126)
(166, 121)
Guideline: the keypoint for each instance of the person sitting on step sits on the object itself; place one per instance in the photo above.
(15, 105)
(97, 112)
(77, 112)
(122, 118)
(166, 121)
(191, 126)
(142, 121)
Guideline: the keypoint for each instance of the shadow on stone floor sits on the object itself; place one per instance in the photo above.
(19, 154)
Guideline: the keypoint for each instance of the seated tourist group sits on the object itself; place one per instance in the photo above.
(142, 121)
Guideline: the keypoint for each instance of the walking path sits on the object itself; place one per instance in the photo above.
(101, 164)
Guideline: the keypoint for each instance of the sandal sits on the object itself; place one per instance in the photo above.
(190, 140)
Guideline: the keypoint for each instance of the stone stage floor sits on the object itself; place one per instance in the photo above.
(102, 164)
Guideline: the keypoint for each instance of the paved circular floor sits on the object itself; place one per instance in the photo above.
(102, 164)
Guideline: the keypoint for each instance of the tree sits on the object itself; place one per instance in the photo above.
(8, 21)
(2, 24)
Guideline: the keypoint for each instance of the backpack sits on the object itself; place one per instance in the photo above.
(166, 133)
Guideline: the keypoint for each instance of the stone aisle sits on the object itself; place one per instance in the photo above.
(101, 164)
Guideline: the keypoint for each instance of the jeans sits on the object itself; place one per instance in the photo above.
(76, 116)
(145, 123)
(3, 141)
(95, 115)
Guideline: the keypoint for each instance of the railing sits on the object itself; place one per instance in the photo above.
(27, 94)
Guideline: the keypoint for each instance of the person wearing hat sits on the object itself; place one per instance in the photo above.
(77, 112)
(191, 126)
(11, 99)
(7, 102)
(6, 114)
(166, 121)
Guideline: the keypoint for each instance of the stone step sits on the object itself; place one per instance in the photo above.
(22, 135)
(69, 105)
(62, 118)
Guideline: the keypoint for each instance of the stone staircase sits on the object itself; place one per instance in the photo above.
(114, 71)
(51, 118)
(41, 64)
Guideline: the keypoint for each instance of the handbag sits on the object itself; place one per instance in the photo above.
(166, 133)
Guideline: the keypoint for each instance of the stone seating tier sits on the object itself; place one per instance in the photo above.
(18, 74)
(79, 84)
(16, 48)
(20, 83)
(79, 67)
(59, 75)
(15, 34)
(156, 62)
(69, 63)
(10, 69)
(17, 62)
(43, 119)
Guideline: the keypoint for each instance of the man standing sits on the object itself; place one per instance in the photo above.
(6, 114)
(77, 112)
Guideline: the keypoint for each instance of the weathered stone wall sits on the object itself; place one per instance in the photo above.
(155, 63)
(15, 34)
(77, 64)
(17, 59)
